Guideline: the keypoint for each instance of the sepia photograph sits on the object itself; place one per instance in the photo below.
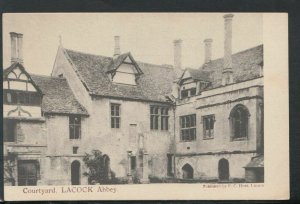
(125, 99)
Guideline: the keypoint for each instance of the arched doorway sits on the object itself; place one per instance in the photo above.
(223, 169)
(75, 173)
(106, 165)
(187, 172)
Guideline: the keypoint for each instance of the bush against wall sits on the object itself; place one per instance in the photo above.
(98, 167)
(9, 169)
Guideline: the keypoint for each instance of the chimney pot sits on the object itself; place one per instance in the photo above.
(177, 57)
(208, 50)
(117, 50)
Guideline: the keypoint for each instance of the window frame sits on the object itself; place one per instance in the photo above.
(243, 122)
(188, 92)
(183, 129)
(75, 149)
(115, 120)
(208, 133)
(75, 126)
(24, 98)
(11, 126)
(159, 117)
(24, 176)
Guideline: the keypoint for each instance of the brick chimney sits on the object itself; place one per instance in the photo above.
(227, 66)
(16, 47)
(177, 57)
(207, 50)
(117, 50)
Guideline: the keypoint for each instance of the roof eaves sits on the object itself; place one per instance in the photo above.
(129, 98)
(65, 113)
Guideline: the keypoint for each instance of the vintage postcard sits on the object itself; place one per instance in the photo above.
(145, 106)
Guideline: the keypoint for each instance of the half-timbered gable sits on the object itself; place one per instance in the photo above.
(21, 96)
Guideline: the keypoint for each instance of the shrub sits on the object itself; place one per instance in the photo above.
(98, 168)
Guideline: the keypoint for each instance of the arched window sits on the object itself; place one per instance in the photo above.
(239, 118)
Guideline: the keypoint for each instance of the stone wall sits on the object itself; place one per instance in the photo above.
(206, 166)
(134, 134)
(203, 154)
(30, 144)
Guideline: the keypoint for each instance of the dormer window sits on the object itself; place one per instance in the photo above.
(188, 93)
(125, 75)
(193, 82)
(124, 70)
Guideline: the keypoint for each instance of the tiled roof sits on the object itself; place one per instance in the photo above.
(153, 85)
(197, 74)
(245, 65)
(58, 97)
(255, 162)
(116, 62)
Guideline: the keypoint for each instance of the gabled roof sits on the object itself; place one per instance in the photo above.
(116, 62)
(197, 75)
(153, 84)
(20, 66)
(245, 64)
(58, 97)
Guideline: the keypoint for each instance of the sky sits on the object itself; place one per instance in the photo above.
(148, 36)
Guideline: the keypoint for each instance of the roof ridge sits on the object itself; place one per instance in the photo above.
(47, 76)
(157, 65)
(147, 63)
(240, 52)
(85, 53)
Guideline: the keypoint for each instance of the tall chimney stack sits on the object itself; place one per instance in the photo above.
(177, 57)
(117, 50)
(20, 47)
(16, 47)
(227, 69)
(13, 47)
(207, 50)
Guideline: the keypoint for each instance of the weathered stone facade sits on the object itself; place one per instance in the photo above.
(204, 154)
(203, 124)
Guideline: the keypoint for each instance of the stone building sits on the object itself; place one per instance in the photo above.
(149, 120)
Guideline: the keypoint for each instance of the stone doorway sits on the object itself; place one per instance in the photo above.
(75, 173)
(223, 168)
(187, 172)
